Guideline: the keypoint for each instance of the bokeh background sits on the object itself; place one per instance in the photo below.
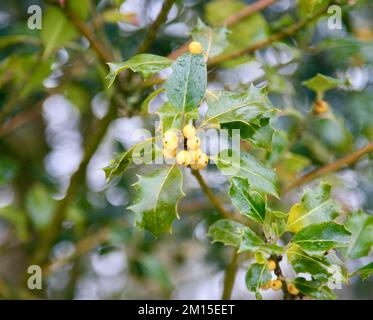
(57, 115)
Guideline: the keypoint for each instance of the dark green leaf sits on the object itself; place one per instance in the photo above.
(244, 165)
(225, 106)
(314, 289)
(319, 267)
(322, 237)
(186, 86)
(257, 275)
(158, 195)
(366, 271)
(147, 64)
(360, 225)
(226, 231)
(250, 203)
(274, 224)
(250, 241)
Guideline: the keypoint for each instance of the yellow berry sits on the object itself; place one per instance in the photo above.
(183, 158)
(271, 265)
(203, 159)
(292, 289)
(266, 286)
(169, 154)
(193, 143)
(170, 136)
(170, 145)
(194, 155)
(276, 285)
(320, 106)
(189, 131)
(195, 47)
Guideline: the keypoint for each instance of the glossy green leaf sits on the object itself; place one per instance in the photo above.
(315, 207)
(125, 159)
(147, 64)
(366, 271)
(213, 41)
(244, 165)
(186, 86)
(226, 231)
(157, 197)
(57, 30)
(314, 289)
(149, 98)
(319, 267)
(171, 117)
(260, 135)
(322, 237)
(250, 203)
(225, 106)
(360, 225)
(274, 224)
(251, 242)
(257, 275)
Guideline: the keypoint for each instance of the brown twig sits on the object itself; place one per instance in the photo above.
(230, 277)
(334, 166)
(153, 29)
(271, 39)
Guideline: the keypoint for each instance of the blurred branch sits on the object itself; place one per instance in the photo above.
(230, 21)
(230, 276)
(153, 29)
(271, 39)
(83, 246)
(215, 201)
(334, 166)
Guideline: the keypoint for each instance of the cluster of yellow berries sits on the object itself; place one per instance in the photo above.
(193, 156)
(277, 283)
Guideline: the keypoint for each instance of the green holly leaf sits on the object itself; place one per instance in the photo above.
(225, 106)
(147, 64)
(319, 267)
(186, 86)
(360, 225)
(146, 149)
(260, 135)
(226, 231)
(171, 117)
(257, 275)
(250, 203)
(365, 272)
(244, 165)
(158, 195)
(274, 224)
(321, 83)
(149, 98)
(322, 237)
(213, 41)
(314, 289)
(250, 241)
(315, 207)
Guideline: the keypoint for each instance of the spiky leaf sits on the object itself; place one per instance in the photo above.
(226, 231)
(314, 289)
(322, 237)
(315, 207)
(147, 64)
(256, 276)
(158, 195)
(261, 178)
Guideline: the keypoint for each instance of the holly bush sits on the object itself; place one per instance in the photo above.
(262, 115)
